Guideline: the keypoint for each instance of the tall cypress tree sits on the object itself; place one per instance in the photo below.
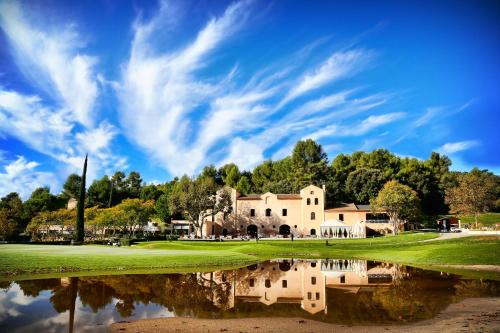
(80, 213)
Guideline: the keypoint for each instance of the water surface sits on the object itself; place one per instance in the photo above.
(334, 291)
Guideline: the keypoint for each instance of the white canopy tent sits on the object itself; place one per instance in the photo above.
(338, 229)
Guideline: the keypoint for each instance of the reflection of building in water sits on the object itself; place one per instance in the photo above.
(301, 282)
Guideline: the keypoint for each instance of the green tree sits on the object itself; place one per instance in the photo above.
(309, 165)
(15, 213)
(80, 207)
(399, 201)
(229, 174)
(262, 175)
(71, 187)
(7, 224)
(118, 189)
(380, 159)
(99, 192)
(198, 199)
(364, 184)
(150, 192)
(475, 193)
(244, 186)
(211, 172)
(42, 200)
(340, 168)
(50, 225)
(161, 207)
(233, 177)
(134, 184)
(134, 214)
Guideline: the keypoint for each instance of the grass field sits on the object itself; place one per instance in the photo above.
(488, 219)
(45, 260)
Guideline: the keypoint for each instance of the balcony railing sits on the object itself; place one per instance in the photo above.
(377, 221)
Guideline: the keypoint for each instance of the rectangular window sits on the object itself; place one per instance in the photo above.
(252, 282)
(316, 201)
(308, 201)
(313, 280)
(341, 217)
(342, 279)
(284, 283)
(285, 212)
(309, 296)
(252, 212)
(317, 296)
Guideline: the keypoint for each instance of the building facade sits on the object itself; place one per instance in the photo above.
(300, 215)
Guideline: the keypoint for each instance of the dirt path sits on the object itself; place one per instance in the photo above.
(470, 315)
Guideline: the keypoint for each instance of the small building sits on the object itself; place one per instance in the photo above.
(72, 202)
(448, 222)
(356, 221)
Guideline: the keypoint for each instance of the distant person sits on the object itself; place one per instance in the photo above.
(292, 237)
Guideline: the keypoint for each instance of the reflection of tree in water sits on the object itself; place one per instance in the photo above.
(34, 287)
(413, 295)
(418, 296)
(5, 285)
(476, 288)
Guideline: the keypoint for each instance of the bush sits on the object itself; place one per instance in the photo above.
(171, 237)
(125, 241)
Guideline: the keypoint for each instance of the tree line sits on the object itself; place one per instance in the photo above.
(126, 203)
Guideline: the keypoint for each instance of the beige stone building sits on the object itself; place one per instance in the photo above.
(300, 215)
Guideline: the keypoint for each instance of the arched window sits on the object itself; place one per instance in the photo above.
(268, 212)
(313, 232)
(268, 283)
(313, 216)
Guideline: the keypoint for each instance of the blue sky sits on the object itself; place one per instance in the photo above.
(166, 87)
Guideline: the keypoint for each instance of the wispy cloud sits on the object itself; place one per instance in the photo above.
(429, 114)
(164, 87)
(64, 123)
(362, 128)
(23, 177)
(338, 65)
(187, 119)
(455, 147)
(54, 61)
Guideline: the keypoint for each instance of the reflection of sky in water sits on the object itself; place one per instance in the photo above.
(36, 314)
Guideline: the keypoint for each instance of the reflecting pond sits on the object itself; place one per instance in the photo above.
(335, 291)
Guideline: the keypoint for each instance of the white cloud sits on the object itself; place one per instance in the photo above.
(53, 61)
(455, 147)
(338, 65)
(362, 128)
(23, 177)
(165, 88)
(66, 125)
(245, 154)
(51, 132)
(186, 120)
(429, 114)
(29, 120)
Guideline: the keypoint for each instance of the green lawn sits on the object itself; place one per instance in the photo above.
(487, 219)
(52, 260)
